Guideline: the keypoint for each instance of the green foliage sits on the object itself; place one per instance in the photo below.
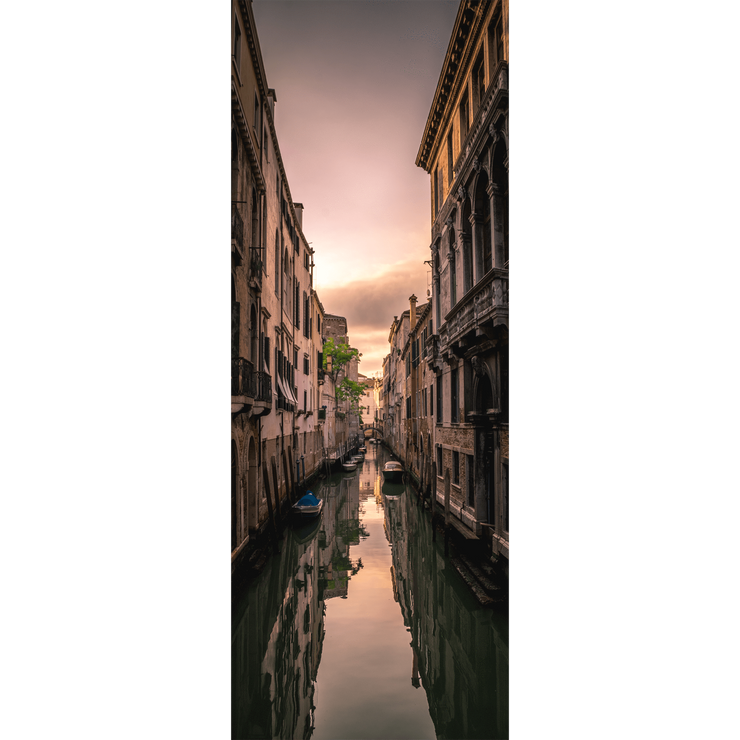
(349, 390)
(336, 358)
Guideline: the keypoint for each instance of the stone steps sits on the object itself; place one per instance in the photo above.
(480, 577)
(482, 597)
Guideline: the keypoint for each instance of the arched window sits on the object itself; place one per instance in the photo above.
(483, 210)
(287, 286)
(467, 247)
(501, 200)
(453, 266)
(255, 225)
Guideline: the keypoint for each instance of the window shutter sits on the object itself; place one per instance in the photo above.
(235, 320)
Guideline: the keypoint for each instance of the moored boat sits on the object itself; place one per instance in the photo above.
(348, 467)
(393, 471)
(308, 506)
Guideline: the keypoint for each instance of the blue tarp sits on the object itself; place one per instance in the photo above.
(309, 500)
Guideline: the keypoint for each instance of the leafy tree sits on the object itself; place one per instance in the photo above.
(337, 356)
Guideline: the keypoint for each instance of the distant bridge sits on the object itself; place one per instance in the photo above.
(373, 431)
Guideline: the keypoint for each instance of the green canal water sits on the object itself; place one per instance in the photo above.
(361, 628)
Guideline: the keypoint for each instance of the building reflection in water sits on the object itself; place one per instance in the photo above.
(458, 652)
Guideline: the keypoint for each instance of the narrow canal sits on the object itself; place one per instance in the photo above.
(361, 628)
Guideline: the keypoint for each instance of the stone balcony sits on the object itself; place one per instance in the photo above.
(483, 307)
(251, 390)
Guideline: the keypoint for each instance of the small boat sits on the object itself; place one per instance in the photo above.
(348, 467)
(357, 459)
(363, 450)
(393, 471)
(308, 507)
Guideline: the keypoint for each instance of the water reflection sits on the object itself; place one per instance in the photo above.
(360, 628)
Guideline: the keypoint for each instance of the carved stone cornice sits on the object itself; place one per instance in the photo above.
(468, 26)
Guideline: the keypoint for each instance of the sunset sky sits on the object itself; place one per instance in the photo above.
(354, 84)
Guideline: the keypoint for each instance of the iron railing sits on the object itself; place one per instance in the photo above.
(246, 381)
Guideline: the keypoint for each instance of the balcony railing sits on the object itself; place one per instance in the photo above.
(246, 381)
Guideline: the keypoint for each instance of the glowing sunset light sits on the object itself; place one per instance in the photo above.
(354, 81)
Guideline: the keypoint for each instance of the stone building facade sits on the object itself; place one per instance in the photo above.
(465, 150)
(395, 386)
(419, 399)
(276, 332)
(341, 427)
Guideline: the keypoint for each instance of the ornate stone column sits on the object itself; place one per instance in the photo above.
(497, 225)
(467, 255)
(477, 231)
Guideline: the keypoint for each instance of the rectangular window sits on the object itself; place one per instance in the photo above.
(267, 352)
(297, 306)
(408, 408)
(456, 468)
(431, 399)
(449, 157)
(305, 400)
(454, 410)
(257, 117)
(295, 357)
(306, 318)
(306, 366)
(463, 120)
(479, 82)
(277, 263)
(440, 413)
(435, 201)
(305, 261)
(439, 460)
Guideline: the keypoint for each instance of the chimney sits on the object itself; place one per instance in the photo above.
(412, 301)
(299, 214)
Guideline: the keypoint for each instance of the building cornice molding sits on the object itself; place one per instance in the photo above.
(464, 37)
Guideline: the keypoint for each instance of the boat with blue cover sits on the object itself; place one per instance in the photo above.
(308, 506)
